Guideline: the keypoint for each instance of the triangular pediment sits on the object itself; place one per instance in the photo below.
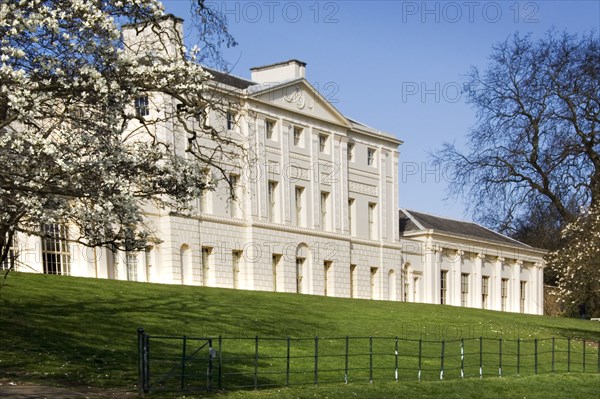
(299, 96)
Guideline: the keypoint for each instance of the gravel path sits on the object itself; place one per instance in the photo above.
(12, 390)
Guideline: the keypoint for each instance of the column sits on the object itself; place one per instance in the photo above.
(516, 286)
(541, 282)
(455, 292)
(496, 297)
(477, 281)
(429, 275)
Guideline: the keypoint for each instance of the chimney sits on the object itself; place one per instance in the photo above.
(162, 37)
(279, 72)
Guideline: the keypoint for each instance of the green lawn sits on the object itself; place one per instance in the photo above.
(73, 332)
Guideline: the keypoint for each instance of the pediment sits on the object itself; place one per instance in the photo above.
(300, 96)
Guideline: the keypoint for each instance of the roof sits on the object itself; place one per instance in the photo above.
(412, 221)
(230, 80)
(293, 60)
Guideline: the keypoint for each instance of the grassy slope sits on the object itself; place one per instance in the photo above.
(83, 331)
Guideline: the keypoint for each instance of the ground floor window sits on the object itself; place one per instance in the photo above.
(326, 270)
(522, 296)
(55, 249)
(443, 287)
(9, 262)
(131, 262)
(299, 266)
(373, 282)
(352, 281)
(205, 264)
(485, 290)
(504, 293)
(464, 289)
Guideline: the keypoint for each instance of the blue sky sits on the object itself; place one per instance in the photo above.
(394, 65)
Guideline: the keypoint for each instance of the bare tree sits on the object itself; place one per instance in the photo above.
(536, 142)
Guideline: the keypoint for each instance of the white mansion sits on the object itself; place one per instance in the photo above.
(317, 215)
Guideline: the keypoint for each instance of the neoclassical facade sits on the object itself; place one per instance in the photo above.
(315, 212)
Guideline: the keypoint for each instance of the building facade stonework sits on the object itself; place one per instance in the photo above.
(314, 212)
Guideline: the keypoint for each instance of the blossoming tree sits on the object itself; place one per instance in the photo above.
(578, 265)
(78, 132)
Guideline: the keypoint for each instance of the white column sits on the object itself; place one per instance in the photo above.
(536, 302)
(496, 296)
(541, 284)
(476, 303)
(455, 292)
(429, 275)
(516, 286)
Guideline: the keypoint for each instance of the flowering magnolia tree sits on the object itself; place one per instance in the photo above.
(82, 141)
(578, 266)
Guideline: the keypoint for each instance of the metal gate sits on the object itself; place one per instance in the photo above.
(167, 363)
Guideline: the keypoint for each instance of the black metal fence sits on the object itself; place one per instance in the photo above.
(172, 363)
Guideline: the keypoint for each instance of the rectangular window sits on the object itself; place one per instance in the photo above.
(372, 224)
(324, 210)
(55, 249)
(299, 206)
(406, 286)
(326, 269)
(235, 266)
(352, 281)
(350, 152)
(323, 143)
(522, 295)
(274, 264)
(373, 282)
(9, 262)
(205, 265)
(234, 203)
(131, 262)
(371, 156)
(230, 121)
(415, 289)
(443, 287)
(299, 266)
(485, 290)
(269, 128)
(351, 217)
(142, 107)
(464, 290)
(272, 201)
(504, 293)
(298, 136)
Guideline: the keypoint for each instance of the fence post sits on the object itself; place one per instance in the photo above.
(553, 346)
(316, 360)
(462, 358)
(568, 354)
(396, 359)
(584, 355)
(210, 364)
(256, 362)
(346, 370)
(518, 356)
(142, 383)
(500, 358)
(220, 362)
(183, 354)
(535, 355)
(442, 361)
(420, 353)
(599, 356)
(370, 359)
(287, 366)
(480, 357)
